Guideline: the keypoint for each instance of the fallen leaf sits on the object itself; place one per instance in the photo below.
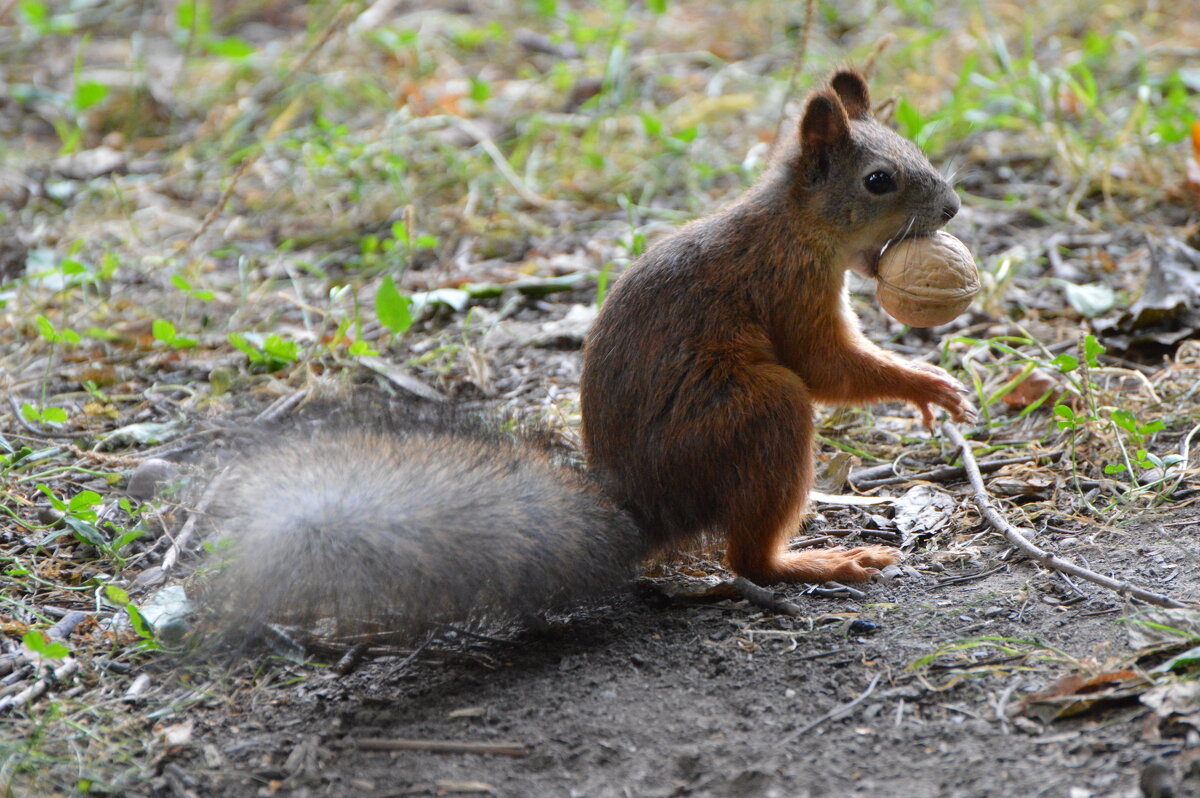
(1033, 388)
(1075, 695)
(1178, 702)
(922, 508)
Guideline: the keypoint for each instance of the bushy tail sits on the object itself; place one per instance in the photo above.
(393, 524)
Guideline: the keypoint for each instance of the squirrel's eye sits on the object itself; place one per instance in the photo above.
(879, 183)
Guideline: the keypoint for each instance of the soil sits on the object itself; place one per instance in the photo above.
(652, 696)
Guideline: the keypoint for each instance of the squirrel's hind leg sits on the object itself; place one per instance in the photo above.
(772, 498)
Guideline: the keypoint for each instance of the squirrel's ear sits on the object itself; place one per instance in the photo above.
(851, 89)
(825, 123)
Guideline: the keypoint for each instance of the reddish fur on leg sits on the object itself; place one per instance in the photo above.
(821, 565)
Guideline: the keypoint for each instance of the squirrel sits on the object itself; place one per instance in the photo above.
(697, 392)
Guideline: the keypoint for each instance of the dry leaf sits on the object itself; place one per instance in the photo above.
(1033, 388)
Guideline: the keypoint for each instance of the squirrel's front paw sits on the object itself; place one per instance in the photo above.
(939, 388)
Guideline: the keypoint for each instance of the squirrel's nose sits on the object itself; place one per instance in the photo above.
(950, 209)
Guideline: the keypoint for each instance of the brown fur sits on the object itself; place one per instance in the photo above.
(702, 369)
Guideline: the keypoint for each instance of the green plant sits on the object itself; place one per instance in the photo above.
(269, 353)
(43, 646)
(164, 332)
(117, 597)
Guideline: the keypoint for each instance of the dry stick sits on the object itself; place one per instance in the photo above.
(947, 473)
(263, 96)
(810, 9)
(281, 406)
(63, 629)
(502, 166)
(350, 659)
(834, 713)
(189, 526)
(764, 598)
(440, 746)
(35, 690)
(835, 590)
(1014, 536)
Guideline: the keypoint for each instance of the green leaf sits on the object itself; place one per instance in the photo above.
(280, 348)
(480, 90)
(1114, 468)
(88, 94)
(108, 266)
(239, 342)
(231, 47)
(1092, 349)
(1152, 427)
(116, 595)
(1065, 363)
(1125, 420)
(43, 646)
(393, 309)
(34, 14)
(909, 118)
(602, 283)
(653, 126)
(84, 500)
(657, 6)
(687, 135)
(138, 622)
(85, 532)
(163, 331)
(126, 538)
(54, 415)
(46, 329)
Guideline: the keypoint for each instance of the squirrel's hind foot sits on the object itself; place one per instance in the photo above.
(820, 565)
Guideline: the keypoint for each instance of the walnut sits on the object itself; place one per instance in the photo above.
(924, 282)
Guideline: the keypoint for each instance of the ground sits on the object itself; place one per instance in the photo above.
(218, 214)
(650, 696)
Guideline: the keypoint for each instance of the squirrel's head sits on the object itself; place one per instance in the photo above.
(869, 184)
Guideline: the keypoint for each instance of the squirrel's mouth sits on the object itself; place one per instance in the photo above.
(866, 262)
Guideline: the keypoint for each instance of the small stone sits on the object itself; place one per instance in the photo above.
(149, 477)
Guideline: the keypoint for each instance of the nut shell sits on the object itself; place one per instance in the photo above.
(924, 282)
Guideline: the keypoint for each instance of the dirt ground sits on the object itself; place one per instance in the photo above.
(650, 696)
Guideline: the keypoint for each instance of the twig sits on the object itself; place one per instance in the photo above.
(63, 629)
(265, 93)
(947, 473)
(1014, 536)
(35, 690)
(350, 659)
(215, 210)
(835, 590)
(502, 166)
(281, 407)
(439, 746)
(189, 526)
(41, 433)
(764, 598)
(834, 713)
(810, 8)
